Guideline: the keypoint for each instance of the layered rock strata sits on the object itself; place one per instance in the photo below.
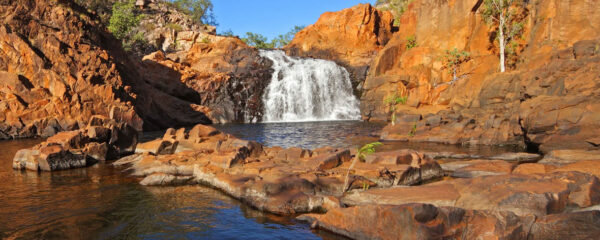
(103, 139)
(277, 180)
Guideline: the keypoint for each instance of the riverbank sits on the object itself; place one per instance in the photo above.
(104, 202)
(516, 195)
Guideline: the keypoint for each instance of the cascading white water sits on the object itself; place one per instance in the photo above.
(308, 90)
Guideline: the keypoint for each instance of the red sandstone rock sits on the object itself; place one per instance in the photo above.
(424, 221)
(350, 37)
(522, 194)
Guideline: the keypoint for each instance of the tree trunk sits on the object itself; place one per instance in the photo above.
(502, 42)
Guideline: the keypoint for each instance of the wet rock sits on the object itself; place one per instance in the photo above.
(104, 139)
(161, 179)
(54, 158)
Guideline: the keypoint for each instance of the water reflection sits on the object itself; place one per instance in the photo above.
(343, 134)
(101, 202)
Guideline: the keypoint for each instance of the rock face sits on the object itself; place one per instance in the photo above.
(57, 70)
(166, 28)
(350, 37)
(227, 77)
(103, 139)
(545, 101)
(60, 67)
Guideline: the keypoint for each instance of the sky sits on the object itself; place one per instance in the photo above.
(273, 17)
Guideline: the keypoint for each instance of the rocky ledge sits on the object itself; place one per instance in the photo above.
(423, 195)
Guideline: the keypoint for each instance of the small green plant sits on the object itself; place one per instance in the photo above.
(453, 59)
(366, 186)
(394, 100)
(174, 26)
(361, 153)
(397, 7)
(411, 42)
(206, 40)
(413, 131)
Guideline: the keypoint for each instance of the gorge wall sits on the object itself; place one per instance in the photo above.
(548, 99)
(545, 100)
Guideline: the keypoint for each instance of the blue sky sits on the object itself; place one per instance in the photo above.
(273, 17)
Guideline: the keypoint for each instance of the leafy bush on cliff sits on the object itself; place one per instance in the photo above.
(123, 19)
(284, 39)
(102, 8)
(259, 41)
(200, 11)
(397, 7)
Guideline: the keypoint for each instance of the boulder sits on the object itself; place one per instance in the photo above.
(158, 147)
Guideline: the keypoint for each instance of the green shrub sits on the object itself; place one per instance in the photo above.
(257, 40)
(361, 153)
(123, 19)
(453, 59)
(200, 11)
(174, 26)
(411, 42)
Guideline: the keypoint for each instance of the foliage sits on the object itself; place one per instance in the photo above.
(227, 33)
(394, 100)
(123, 19)
(453, 58)
(175, 27)
(284, 39)
(411, 42)
(413, 131)
(361, 153)
(138, 41)
(206, 40)
(257, 40)
(200, 11)
(502, 12)
(397, 7)
(102, 8)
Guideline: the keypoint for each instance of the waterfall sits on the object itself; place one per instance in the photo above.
(307, 90)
